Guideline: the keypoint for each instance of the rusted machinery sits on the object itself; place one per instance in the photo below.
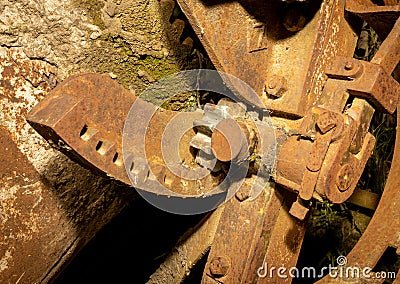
(298, 58)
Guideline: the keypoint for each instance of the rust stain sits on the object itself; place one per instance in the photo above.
(31, 221)
(22, 85)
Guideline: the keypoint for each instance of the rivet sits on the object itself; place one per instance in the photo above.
(219, 266)
(345, 177)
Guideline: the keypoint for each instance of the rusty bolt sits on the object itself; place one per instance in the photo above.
(275, 86)
(294, 21)
(326, 121)
(219, 266)
(345, 177)
(273, 82)
(349, 66)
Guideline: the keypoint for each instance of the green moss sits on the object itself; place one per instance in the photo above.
(92, 8)
(113, 54)
(181, 102)
(158, 68)
(135, 66)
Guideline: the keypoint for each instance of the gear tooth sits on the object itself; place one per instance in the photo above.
(209, 107)
(167, 8)
(204, 126)
(208, 161)
(188, 42)
(178, 25)
(202, 142)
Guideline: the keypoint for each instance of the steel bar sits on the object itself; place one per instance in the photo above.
(381, 18)
(388, 54)
(35, 231)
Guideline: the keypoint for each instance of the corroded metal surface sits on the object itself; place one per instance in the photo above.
(373, 243)
(273, 70)
(383, 230)
(300, 63)
(76, 119)
(43, 195)
(242, 236)
(381, 18)
(251, 234)
(368, 80)
(71, 118)
(229, 130)
(35, 231)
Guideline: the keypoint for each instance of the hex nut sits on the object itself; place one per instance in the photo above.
(326, 121)
(275, 86)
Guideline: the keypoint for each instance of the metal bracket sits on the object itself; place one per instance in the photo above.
(367, 80)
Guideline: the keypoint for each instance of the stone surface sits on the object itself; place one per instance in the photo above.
(51, 207)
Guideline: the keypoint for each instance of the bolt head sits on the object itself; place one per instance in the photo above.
(326, 121)
(273, 82)
(345, 177)
(219, 266)
(275, 86)
(298, 210)
(230, 140)
(349, 66)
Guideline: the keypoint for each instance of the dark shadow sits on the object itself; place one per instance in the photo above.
(130, 248)
(388, 265)
(273, 12)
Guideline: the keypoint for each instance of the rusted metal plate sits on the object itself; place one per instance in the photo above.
(50, 207)
(35, 232)
(285, 241)
(369, 80)
(75, 118)
(388, 54)
(24, 82)
(237, 40)
(239, 234)
(274, 71)
(253, 234)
